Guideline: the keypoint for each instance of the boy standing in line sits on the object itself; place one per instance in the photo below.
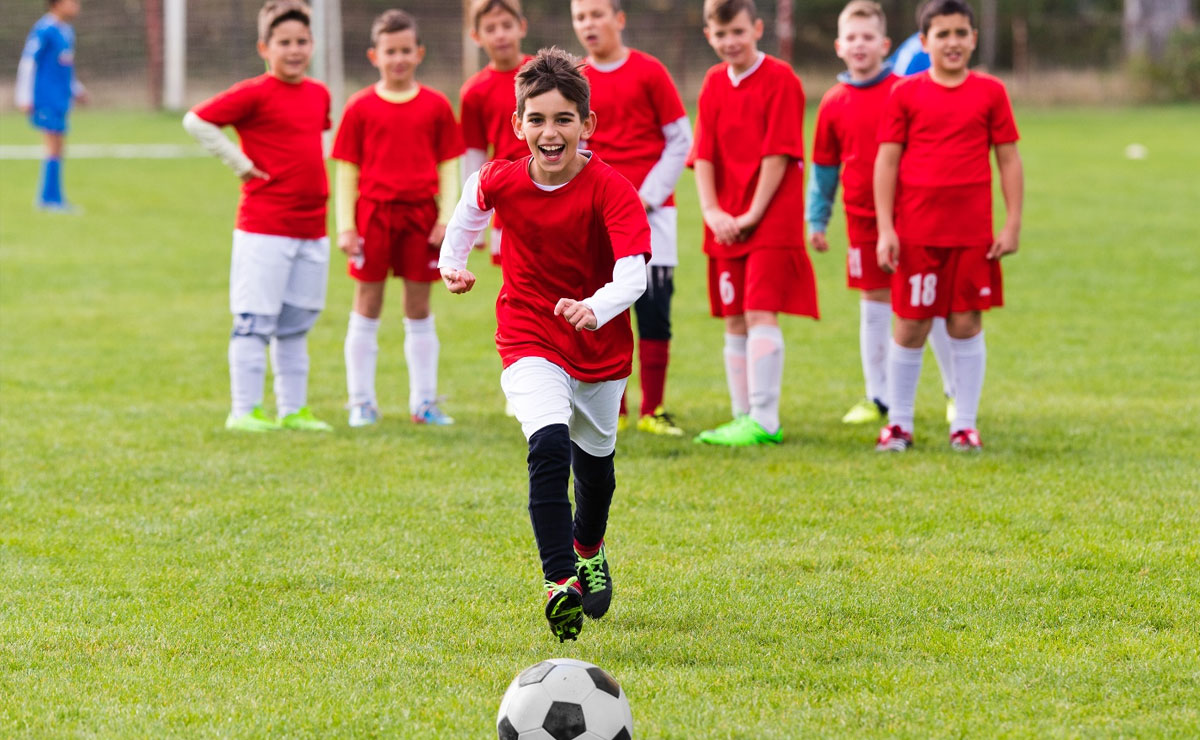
(749, 155)
(933, 197)
(46, 87)
(395, 152)
(643, 132)
(280, 250)
(574, 262)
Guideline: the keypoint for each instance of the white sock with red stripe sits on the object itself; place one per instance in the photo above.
(874, 336)
(939, 341)
(970, 364)
(903, 374)
(362, 351)
(421, 353)
(735, 373)
(764, 350)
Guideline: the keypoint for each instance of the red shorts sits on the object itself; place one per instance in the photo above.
(862, 268)
(938, 281)
(779, 280)
(396, 239)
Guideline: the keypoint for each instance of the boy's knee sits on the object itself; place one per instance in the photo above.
(592, 469)
(911, 333)
(261, 326)
(294, 321)
(550, 443)
(965, 324)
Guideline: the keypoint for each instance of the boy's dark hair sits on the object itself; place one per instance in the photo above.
(393, 21)
(480, 8)
(724, 11)
(275, 12)
(554, 69)
(932, 9)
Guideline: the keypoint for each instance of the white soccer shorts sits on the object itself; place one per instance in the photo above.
(664, 236)
(542, 393)
(267, 271)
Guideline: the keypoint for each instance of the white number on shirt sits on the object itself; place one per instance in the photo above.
(725, 288)
(924, 289)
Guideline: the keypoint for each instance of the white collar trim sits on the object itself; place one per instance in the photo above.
(736, 79)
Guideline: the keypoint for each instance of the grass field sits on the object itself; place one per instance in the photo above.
(162, 577)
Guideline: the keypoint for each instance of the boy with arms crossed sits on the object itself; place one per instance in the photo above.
(395, 152)
(643, 132)
(748, 155)
(280, 251)
(575, 256)
(933, 197)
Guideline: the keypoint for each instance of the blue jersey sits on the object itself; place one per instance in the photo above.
(46, 74)
(910, 58)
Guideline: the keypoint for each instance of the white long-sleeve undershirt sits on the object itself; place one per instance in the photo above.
(211, 137)
(660, 181)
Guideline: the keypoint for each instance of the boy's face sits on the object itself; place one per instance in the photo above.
(66, 9)
(949, 42)
(552, 127)
(288, 50)
(499, 33)
(862, 45)
(597, 27)
(736, 42)
(396, 55)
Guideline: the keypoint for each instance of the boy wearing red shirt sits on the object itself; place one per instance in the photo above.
(574, 262)
(643, 132)
(396, 148)
(749, 156)
(933, 197)
(280, 260)
(488, 97)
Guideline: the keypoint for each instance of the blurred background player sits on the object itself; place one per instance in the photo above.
(488, 97)
(396, 148)
(748, 155)
(644, 133)
(562, 320)
(933, 196)
(46, 87)
(910, 57)
(280, 261)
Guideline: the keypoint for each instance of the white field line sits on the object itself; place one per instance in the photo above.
(108, 151)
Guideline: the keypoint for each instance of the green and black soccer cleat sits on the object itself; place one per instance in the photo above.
(597, 583)
(564, 609)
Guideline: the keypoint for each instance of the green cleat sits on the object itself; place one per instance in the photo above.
(865, 411)
(596, 581)
(564, 608)
(741, 432)
(254, 421)
(951, 410)
(304, 421)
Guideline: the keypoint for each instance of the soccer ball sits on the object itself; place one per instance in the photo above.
(564, 699)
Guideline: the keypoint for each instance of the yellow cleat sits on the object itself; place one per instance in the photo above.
(660, 422)
(865, 411)
(951, 410)
(622, 423)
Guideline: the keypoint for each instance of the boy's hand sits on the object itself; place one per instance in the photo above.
(437, 234)
(1006, 244)
(254, 173)
(746, 223)
(458, 281)
(818, 242)
(724, 227)
(350, 243)
(577, 314)
(887, 251)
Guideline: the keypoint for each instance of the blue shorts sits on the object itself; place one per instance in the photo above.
(52, 121)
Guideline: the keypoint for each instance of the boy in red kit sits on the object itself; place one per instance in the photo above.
(488, 97)
(574, 262)
(748, 155)
(643, 132)
(280, 260)
(933, 197)
(396, 149)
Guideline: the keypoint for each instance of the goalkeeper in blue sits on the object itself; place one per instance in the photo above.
(46, 88)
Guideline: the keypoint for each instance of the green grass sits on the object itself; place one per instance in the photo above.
(161, 577)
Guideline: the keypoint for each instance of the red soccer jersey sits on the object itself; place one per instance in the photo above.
(397, 146)
(632, 103)
(280, 125)
(563, 244)
(739, 125)
(489, 99)
(944, 191)
(847, 135)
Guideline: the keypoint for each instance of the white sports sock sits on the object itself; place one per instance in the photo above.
(735, 373)
(421, 353)
(970, 363)
(903, 374)
(874, 336)
(939, 340)
(247, 371)
(764, 350)
(289, 360)
(362, 352)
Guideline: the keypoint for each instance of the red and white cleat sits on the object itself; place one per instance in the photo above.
(966, 440)
(893, 439)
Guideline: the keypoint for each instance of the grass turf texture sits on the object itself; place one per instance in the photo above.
(160, 576)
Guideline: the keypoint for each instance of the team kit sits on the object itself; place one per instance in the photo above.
(564, 169)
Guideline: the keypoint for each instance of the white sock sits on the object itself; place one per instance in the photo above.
(735, 373)
(361, 351)
(903, 374)
(874, 336)
(764, 349)
(247, 371)
(939, 340)
(970, 363)
(289, 360)
(421, 354)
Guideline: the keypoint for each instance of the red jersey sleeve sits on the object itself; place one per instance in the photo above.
(826, 147)
(1002, 127)
(450, 141)
(893, 127)
(625, 219)
(474, 129)
(232, 106)
(347, 145)
(785, 118)
(703, 145)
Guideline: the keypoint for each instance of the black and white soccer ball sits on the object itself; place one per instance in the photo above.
(564, 699)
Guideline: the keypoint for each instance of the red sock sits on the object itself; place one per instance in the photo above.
(624, 412)
(587, 551)
(563, 581)
(653, 355)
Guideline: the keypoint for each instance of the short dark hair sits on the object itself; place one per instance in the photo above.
(274, 12)
(393, 21)
(480, 8)
(932, 9)
(724, 11)
(554, 69)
